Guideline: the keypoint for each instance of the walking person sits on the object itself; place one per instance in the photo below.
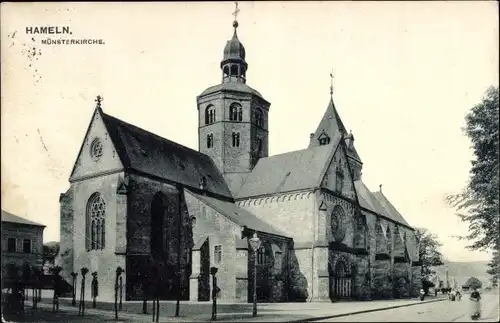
(475, 298)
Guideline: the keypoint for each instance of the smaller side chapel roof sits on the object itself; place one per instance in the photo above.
(378, 203)
(238, 215)
(151, 154)
(292, 171)
(391, 210)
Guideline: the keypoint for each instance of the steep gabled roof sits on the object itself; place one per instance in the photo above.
(374, 202)
(296, 170)
(390, 209)
(11, 218)
(330, 124)
(367, 200)
(238, 215)
(151, 154)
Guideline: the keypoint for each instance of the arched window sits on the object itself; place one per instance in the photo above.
(340, 180)
(235, 112)
(236, 139)
(96, 224)
(210, 114)
(210, 140)
(259, 117)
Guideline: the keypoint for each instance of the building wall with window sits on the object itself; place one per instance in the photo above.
(237, 136)
(21, 244)
(99, 256)
(222, 236)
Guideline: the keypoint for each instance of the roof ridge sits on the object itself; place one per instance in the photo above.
(147, 132)
(20, 218)
(296, 151)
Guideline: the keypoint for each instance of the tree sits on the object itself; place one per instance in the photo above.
(494, 270)
(480, 198)
(428, 252)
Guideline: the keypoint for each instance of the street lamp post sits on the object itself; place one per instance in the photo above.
(255, 243)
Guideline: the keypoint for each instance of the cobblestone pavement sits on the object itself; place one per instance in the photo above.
(445, 311)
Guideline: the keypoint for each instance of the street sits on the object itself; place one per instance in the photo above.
(445, 311)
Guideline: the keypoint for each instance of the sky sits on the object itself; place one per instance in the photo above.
(405, 76)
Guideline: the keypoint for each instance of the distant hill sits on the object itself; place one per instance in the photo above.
(462, 271)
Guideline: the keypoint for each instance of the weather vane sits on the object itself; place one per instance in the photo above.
(99, 99)
(236, 11)
(331, 82)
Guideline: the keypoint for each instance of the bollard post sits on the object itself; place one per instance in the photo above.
(81, 307)
(95, 286)
(119, 271)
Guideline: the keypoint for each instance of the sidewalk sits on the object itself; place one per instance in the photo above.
(270, 312)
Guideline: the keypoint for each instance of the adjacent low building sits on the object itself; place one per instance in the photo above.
(22, 242)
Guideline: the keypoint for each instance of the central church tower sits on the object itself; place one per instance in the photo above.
(233, 118)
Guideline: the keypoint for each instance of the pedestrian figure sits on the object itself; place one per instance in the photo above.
(57, 288)
(422, 294)
(475, 298)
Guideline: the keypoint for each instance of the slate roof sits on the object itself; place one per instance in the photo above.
(296, 170)
(238, 215)
(235, 87)
(146, 152)
(390, 209)
(378, 203)
(11, 218)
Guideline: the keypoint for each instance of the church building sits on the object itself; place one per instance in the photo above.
(138, 201)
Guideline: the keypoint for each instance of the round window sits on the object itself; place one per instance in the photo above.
(96, 149)
(337, 224)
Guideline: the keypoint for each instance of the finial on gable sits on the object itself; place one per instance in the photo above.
(98, 100)
(380, 188)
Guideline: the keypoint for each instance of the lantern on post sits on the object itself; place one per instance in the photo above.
(255, 243)
(74, 275)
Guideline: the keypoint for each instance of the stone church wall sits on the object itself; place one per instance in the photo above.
(293, 214)
(65, 258)
(105, 261)
(219, 231)
(142, 192)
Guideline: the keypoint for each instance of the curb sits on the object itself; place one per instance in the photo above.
(312, 319)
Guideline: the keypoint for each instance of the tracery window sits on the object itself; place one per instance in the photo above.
(96, 210)
(235, 112)
(210, 114)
